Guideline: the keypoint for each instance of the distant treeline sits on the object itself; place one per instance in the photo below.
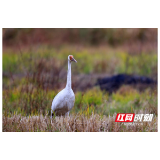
(80, 36)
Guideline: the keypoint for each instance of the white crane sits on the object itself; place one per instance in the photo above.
(64, 100)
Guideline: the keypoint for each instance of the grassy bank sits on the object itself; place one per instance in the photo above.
(31, 79)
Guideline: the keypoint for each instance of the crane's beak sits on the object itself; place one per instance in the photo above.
(74, 60)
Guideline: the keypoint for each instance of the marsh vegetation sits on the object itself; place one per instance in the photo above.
(34, 74)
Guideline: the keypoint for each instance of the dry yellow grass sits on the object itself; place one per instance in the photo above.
(74, 123)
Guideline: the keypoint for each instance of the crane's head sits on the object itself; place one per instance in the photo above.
(70, 58)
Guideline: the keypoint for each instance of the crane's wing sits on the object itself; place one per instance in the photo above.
(63, 101)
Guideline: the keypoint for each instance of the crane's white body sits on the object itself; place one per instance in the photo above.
(64, 100)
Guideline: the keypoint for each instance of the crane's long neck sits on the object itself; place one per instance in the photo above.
(68, 85)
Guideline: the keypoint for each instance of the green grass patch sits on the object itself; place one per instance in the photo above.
(89, 61)
(35, 101)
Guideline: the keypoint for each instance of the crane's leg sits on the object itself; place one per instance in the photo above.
(51, 113)
(67, 114)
